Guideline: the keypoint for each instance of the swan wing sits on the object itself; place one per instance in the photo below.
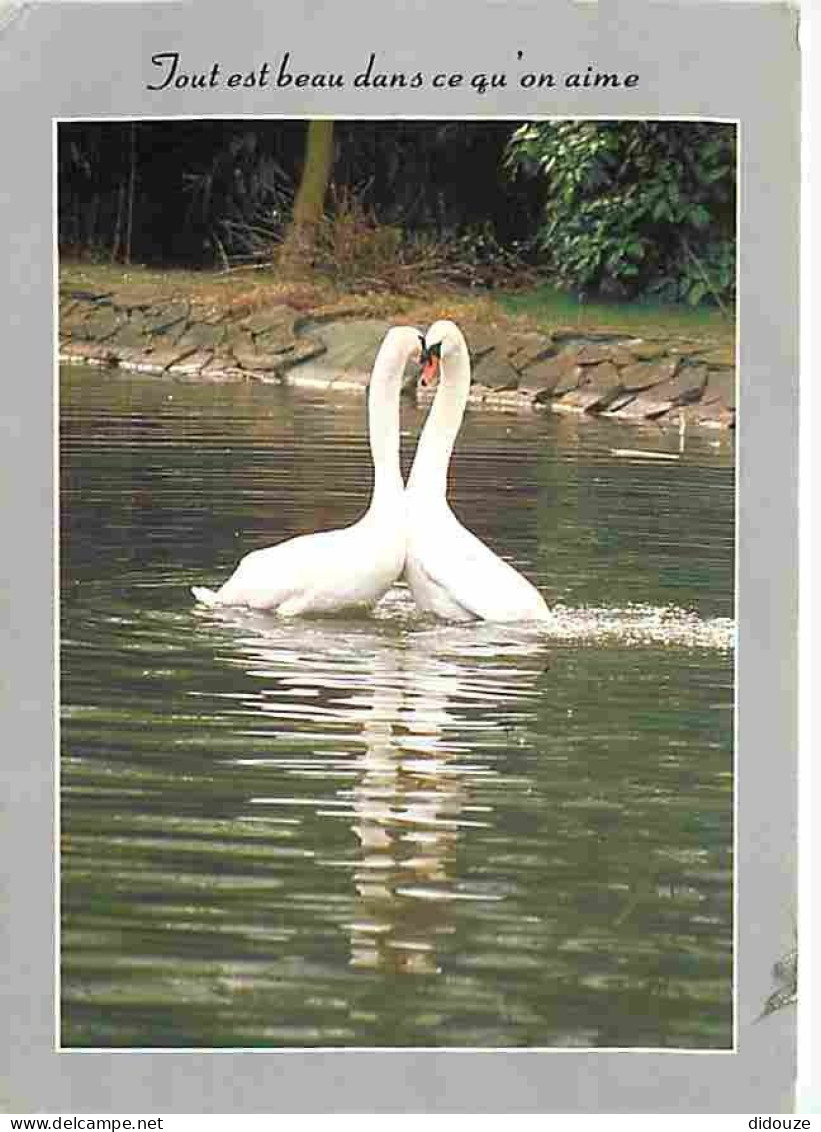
(315, 573)
(264, 579)
(468, 574)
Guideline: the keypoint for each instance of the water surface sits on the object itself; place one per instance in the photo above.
(382, 831)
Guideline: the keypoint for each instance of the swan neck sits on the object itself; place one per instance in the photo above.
(383, 427)
(429, 473)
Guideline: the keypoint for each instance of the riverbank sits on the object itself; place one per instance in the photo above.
(619, 362)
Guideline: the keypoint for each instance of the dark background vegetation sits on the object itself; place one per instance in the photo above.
(621, 209)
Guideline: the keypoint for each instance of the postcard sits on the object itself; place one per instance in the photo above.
(400, 666)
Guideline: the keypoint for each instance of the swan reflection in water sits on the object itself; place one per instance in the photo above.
(426, 703)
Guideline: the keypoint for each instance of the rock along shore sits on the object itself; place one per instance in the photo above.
(617, 376)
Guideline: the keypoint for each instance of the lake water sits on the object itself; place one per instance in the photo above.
(383, 831)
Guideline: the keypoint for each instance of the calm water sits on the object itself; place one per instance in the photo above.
(382, 831)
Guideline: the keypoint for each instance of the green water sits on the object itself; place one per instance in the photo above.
(382, 831)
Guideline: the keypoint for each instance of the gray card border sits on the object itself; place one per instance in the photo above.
(92, 61)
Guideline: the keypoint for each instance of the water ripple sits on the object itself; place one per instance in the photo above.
(381, 830)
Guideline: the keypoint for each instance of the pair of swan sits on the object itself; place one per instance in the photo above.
(450, 571)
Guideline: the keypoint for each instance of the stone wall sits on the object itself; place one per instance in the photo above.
(618, 376)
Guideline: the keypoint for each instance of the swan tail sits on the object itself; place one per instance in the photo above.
(206, 596)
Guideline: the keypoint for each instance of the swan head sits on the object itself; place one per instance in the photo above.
(400, 345)
(403, 342)
(444, 339)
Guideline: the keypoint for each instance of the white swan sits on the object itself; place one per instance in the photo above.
(450, 571)
(354, 566)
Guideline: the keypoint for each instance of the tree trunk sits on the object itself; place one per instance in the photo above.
(132, 178)
(300, 241)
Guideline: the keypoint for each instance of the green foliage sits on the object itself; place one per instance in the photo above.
(635, 208)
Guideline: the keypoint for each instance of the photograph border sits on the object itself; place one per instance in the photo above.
(56, 124)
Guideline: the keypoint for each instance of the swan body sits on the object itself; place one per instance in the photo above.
(451, 572)
(354, 566)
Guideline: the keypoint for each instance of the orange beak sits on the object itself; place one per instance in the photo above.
(430, 370)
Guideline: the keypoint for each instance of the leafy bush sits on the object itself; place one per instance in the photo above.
(635, 208)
